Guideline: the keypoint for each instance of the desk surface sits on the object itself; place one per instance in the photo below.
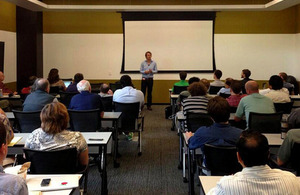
(87, 136)
(34, 181)
(274, 139)
(107, 115)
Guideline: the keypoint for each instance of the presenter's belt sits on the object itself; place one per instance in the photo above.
(147, 78)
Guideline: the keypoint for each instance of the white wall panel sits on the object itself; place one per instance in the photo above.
(99, 56)
(10, 55)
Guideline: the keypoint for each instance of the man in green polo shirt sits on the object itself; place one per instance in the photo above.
(254, 102)
(182, 81)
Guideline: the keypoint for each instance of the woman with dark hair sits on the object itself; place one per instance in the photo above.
(54, 79)
(291, 79)
(52, 135)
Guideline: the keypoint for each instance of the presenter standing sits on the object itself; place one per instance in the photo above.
(148, 68)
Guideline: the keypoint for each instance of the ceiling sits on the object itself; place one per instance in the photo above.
(155, 5)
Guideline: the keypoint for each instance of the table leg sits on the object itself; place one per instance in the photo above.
(173, 104)
(190, 174)
(116, 164)
(102, 169)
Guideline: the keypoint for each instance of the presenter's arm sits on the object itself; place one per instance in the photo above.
(154, 70)
(142, 70)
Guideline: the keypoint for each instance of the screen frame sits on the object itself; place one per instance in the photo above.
(169, 16)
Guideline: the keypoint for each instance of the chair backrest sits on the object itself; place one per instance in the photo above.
(265, 122)
(54, 90)
(196, 120)
(85, 120)
(285, 108)
(130, 113)
(107, 103)
(27, 122)
(179, 89)
(225, 95)
(214, 89)
(182, 97)
(295, 158)
(115, 86)
(221, 160)
(65, 98)
(52, 162)
(233, 109)
(95, 87)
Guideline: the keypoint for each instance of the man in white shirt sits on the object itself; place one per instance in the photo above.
(256, 177)
(128, 94)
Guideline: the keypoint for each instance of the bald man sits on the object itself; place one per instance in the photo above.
(254, 102)
(40, 97)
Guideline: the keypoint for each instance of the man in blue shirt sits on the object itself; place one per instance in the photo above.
(220, 133)
(86, 100)
(72, 88)
(148, 68)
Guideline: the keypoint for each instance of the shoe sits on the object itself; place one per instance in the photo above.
(149, 108)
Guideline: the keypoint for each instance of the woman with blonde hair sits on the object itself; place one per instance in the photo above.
(52, 135)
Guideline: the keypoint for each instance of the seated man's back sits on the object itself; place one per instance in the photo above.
(39, 98)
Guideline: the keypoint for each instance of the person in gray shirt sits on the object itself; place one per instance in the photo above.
(9, 184)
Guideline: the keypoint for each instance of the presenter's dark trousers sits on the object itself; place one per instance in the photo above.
(147, 84)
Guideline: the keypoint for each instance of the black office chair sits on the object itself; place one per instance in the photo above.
(107, 103)
(265, 122)
(129, 120)
(295, 158)
(65, 98)
(196, 120)
(54, 90)
(285, 108)
(95, 87)
(115, 86)
(179, 89)
(214, 89)
(26, 122)
(85, 120)
(220, 160)
(64, 161)
(224, 95)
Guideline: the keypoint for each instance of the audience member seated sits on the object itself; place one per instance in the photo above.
(86, 100)
(207, 85)
(53, 136)
(253, 102)
(217, 82)
(197, 101)
(5, 90)
(5, 121)
(128, 94)
(287, 85)
(182, 81)
(245, 75)
(226, 89)
(276, 92)
(220, 133)
(105, 91)
(27, 90)
(186, 93)
(40, 97)
(285, 150)
(291, 79)
(72, 88)
(256, 177)
(236, 96)
(9, 184)
(55, 81)
(294, 119)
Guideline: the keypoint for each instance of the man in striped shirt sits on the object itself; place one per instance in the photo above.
(256, 177)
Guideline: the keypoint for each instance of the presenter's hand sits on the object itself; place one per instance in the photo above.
(146, 71)
(150, 70)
